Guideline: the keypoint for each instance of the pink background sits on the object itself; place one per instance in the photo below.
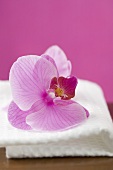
(83, 28)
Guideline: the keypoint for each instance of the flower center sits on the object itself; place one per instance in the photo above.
(64, 87)
(59, 92)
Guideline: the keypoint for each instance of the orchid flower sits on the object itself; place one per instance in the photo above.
(42, 96)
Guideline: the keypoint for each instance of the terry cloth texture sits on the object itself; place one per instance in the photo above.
(93, 137)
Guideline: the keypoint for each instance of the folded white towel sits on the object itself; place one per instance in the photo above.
(92, 138)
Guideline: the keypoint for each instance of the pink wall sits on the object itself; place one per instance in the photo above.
(83, 28)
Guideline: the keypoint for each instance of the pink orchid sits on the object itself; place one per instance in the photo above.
(63, 65)
(41, 98)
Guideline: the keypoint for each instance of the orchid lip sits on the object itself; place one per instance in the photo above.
(64, 87)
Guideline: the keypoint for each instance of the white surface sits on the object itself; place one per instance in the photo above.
(92, 138)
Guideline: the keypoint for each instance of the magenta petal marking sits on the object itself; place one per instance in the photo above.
(68, 85)
(63, 65)
(58, 117)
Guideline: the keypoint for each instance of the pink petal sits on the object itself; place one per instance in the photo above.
(87, 113)
(63, 65)
(17, 117)
(60, 116)
(29, 77)
(23, 86)
(49, 59)
(68, 85)
(43, 73)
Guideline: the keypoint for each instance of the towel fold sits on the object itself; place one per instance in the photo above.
(94, 137)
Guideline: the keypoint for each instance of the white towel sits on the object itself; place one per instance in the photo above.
(94, 137)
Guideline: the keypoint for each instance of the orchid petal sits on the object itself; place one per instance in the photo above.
(68, 85)
(44, 71)
(49, 59)
(17, 117)
(87, 113)
(23, 86)
(29, 77)
(63, 65)
(60, 116)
